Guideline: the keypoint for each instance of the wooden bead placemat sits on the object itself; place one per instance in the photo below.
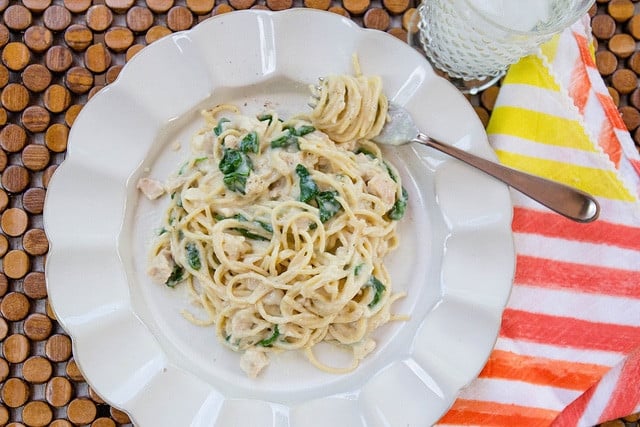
(55, 55)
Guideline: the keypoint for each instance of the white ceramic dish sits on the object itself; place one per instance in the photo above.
(456, 260)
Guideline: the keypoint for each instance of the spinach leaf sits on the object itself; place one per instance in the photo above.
(218, 129)
(199, 159)
(235, 182)
(357, 269)
(236, 167)
(161, 231)
(243, 231)
(308, 187)
(399, 207)
(250, 235)
(265, 226)
(378, 287)
(327, 204)
(249, 144)
(366, 152)
(287, 139)
(303, 130)
(177, 275)
(193, 256)
(390, 172)
(268, 342)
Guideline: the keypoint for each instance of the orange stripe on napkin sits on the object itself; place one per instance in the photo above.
(471, 412)
(540, 370)
(580, 86)
(626, 394)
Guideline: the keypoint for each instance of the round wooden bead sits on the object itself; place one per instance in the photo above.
(159, 6)
(223, 8)
(4, 76)
(36, 414)
(56, 137)
(35, 118)
(81, 411)
(4, 329)
(200, 7)
(634, 62)
(317, 4)
(4, 202)
(623, 45)
(118, 39)
(12, 138)
(16, 56)
(103, 422)
(179, 18)
(15, 97)
(99, 17)
(630, 116)
(57, 18)
(38, 38)
(3, 121)
(97, 58)
(16, 264)
(396, 7)
(4, 367)
(36, 77)
(4, 247)
(633, 27)
(35, 242)
(17, 17)
(624, 80)
(113, 73)
(131, 52)
(119, 6)
(16, 350)
(60, 423)
(3, 5)
(95, 397)
(15, 392)
(58, 59)
(56, 98)
(47, 174)
(280, 4)
(5, 35)
(37, 327)
(71, 114)
(606, 62)
(14, 306)
(77, 6)
(620, 10)
(37, 369)
(15, 178)
(58, 348)
(33, 200)
(73, 372)
(79, 80)
(408, 18)
(377, 19)
(603, 26)
(35, 286)
(58, 391)
(35, 157)
(78, 37)
(155, 33)
(119, 416)
(4, 415)
(14, 222)
(36, 6)
(4, 284)
(139, 19)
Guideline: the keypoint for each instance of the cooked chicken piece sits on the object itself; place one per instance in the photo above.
(235, 246)
(383, 186)
(160, 267)
(274, 297)
(241, 323)
(151, 188)
(253, 361)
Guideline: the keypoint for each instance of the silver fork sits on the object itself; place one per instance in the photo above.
(560, 198)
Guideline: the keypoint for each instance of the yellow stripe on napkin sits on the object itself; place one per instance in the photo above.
(530, 71)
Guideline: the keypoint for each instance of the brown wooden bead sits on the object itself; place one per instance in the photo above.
(606, 62)
(15, 392)
(179, 18)
(47, 174)
(36, 77)
(377, 19)
(633, 27)
(36, 414)
(57, 18)
(12, 138)
(139, 19)
(4, 247)
(625, 81)
(623, 45)
(60, 423)
(119, 6)
(4, 329)
(222, 8)
(36, 6)
(4, 76)
(38, 38)
(103, 422)
(95, 397)
(14, 222)
(3, 121)
(35, 242)
(15, 178)
(279, 4)
(35, 157)
(35, 286)
(97, 58)
(634, 98)
(620, 10)
(113, 73)
(77, 6)
(159, 6)
(408, 19)
(131, 52)
(16, 56)
(14, 306)
(73, 372)
(632, 418)
(17, 17)
(33, 200)
(79, 80)
(603, 26)
(5, 35)
(38, 327)
(630, 116)
(16, 264)
(4, 201)
(396, 6)
(339, 10)
(15, 97)
(119, 416)
(58, 348)
(16, 348)
(200, 7)
(37, 369)
(4, 415)
(4, 367)
(155, 33)
(56, 137)
(58, 392)
(71, 114)
(35, 118)
(58, 59)
(118, 39)
(317, 4)
(3, 5)
(56, 98)
(81, 411)
(78, 37)
(16, 424)
(99, 17)
(634, 62)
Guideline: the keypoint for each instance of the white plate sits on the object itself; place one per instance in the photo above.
(456, 259)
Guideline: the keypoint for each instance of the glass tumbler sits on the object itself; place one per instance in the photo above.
(475, 41)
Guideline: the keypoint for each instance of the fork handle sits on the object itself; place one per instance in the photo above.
(563, 199)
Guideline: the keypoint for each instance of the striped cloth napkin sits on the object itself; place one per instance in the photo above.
(568, 353)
